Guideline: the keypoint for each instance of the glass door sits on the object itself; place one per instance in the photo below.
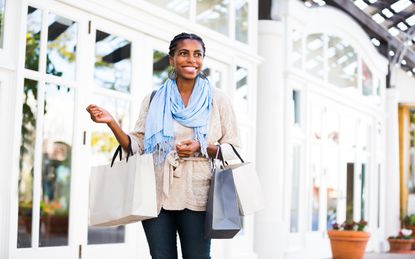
(50, 142)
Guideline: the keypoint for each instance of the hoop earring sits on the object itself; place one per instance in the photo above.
(173, 75)
(202, 75)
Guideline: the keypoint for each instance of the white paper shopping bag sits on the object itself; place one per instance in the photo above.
(123, 193)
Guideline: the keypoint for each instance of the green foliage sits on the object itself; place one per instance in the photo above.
(409, 220)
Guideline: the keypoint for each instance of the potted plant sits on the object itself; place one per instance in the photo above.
(348, 240)
(402, 243)
(409, 223)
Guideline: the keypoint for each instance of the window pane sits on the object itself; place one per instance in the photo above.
(34, 25)
(62, 42)
(350, 192)
(215, 76)
(315, 186)
(295, 188)
(213, 14)
(2, 8)
(315, 55)
(26, 162)
(363, 194)
(342, 62)
(103, 144)
(112, 62)
(181, 7)
(296, 106)
(316, 114)
(332, 129)
(411, 180)
(332, 159)
(56, 165)
(241, 93)
(297, 50)
(367, 84)
(242, 20)
(161, 68)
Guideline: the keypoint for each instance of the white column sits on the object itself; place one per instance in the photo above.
(270, 230)
(392, 176)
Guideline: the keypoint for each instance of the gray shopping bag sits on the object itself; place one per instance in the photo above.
(222, 214)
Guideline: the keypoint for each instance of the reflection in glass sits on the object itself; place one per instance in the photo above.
(2, 7)
(315, 186)
(295, 189)
(241, 93)
(34, 25)
(103, 144)
(332, 127)
(367, 84)
(411, 177)
(342, 63)
(316, 114)
(297, 49)
(161, 68)
(242, 21)
(181, 7)
(348, 132)
(61, 52)
(26, 163)
(363, 194)
(112, 62)
(213, 14)
(332, 185)
(215, 76)
(296, 107)
(315, 54)
(350, 192)
(56, 165)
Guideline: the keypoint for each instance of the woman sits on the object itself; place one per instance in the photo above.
(181, 123)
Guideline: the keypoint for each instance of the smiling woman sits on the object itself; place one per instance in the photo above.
(2, 7)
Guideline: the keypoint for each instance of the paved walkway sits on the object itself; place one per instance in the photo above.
(389, 256)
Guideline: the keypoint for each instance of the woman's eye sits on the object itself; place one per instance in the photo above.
(183, 54)
(198, 55)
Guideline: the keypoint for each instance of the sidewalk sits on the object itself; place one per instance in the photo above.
(389, 256)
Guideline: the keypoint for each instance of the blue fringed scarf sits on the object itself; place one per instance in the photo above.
(166, 106)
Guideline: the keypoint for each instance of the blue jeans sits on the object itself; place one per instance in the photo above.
(161, 234)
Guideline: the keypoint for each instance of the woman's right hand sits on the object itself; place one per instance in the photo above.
(99, 115)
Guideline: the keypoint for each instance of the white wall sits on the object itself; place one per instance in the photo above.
(406, 85)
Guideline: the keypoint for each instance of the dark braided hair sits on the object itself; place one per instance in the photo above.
(184, 36)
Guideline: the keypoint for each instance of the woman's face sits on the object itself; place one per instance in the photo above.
(188, 59)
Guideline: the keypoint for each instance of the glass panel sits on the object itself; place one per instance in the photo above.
(297, 49)
(242, 20)
(342, 62)
(316, 114)
(62, 42)
(181, 7)
(315, 187)
(296, 104)
(34, 25)
(378, 197)
(332, 159)
(112, 62)
(332, 127)
(26, 162)
(2, 7)
(213, 14)
(348, 131)
(315, 55)
(103, 144)
(56, 165)
(367, 84)
(241, 93)
(215, 76)
(378, 86)
(363, 193)
(411, 177)
(161, 68)
(350, 192)
(295, 189)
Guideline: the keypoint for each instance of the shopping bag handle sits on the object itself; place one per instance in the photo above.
(236, 153)
(119, 150)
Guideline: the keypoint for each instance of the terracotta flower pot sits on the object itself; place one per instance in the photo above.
(347, 244)
(400, 245)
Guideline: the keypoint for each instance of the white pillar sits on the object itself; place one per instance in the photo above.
(270, 230)
(392, 175)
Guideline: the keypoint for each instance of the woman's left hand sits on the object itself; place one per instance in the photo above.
(187, 148)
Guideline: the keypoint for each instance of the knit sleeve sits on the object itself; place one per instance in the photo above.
(229, 127)
(137, 135)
